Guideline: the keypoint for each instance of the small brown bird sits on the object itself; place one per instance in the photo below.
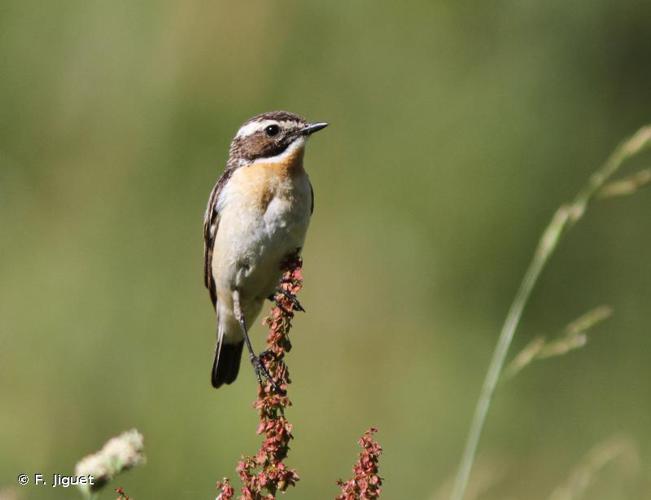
(257, 216)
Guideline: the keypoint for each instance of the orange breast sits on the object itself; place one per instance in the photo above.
(265, 179)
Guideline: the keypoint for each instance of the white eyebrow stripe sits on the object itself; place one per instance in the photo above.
(253, 127)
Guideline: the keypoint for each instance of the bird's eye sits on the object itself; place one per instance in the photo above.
(272, 130)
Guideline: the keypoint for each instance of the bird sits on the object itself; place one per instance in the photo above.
(257, 216)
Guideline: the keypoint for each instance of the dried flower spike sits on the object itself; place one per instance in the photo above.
(265, 474)
(226, 490)
(366, 483)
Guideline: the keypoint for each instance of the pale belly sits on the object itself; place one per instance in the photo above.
(265, 243)
(251, 244)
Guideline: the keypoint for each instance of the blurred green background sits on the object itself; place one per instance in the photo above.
(456, 130)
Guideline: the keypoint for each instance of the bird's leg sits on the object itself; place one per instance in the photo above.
(289, 296)
(258, 366)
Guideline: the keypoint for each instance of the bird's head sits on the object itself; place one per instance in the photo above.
(270, 136)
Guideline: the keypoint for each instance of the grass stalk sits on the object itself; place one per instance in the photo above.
(564, 218)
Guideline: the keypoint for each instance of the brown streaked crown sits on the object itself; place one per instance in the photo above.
(264, 136)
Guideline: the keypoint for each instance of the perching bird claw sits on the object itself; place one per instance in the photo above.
(261, 370)
(289, 296)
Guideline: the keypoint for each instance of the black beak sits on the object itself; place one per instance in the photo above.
(313, 127)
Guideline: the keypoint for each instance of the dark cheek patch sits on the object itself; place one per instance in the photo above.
(259, 145)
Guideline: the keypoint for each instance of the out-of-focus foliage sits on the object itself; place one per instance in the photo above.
(456, 129)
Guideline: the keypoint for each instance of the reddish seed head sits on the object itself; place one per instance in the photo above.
(265, 474)
(365, 485)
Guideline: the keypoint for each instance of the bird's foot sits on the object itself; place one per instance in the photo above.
(289, 296)
(261, 371)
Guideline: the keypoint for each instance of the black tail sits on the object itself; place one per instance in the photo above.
(226, 364)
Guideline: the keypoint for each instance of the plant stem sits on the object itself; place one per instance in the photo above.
(564, 218)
